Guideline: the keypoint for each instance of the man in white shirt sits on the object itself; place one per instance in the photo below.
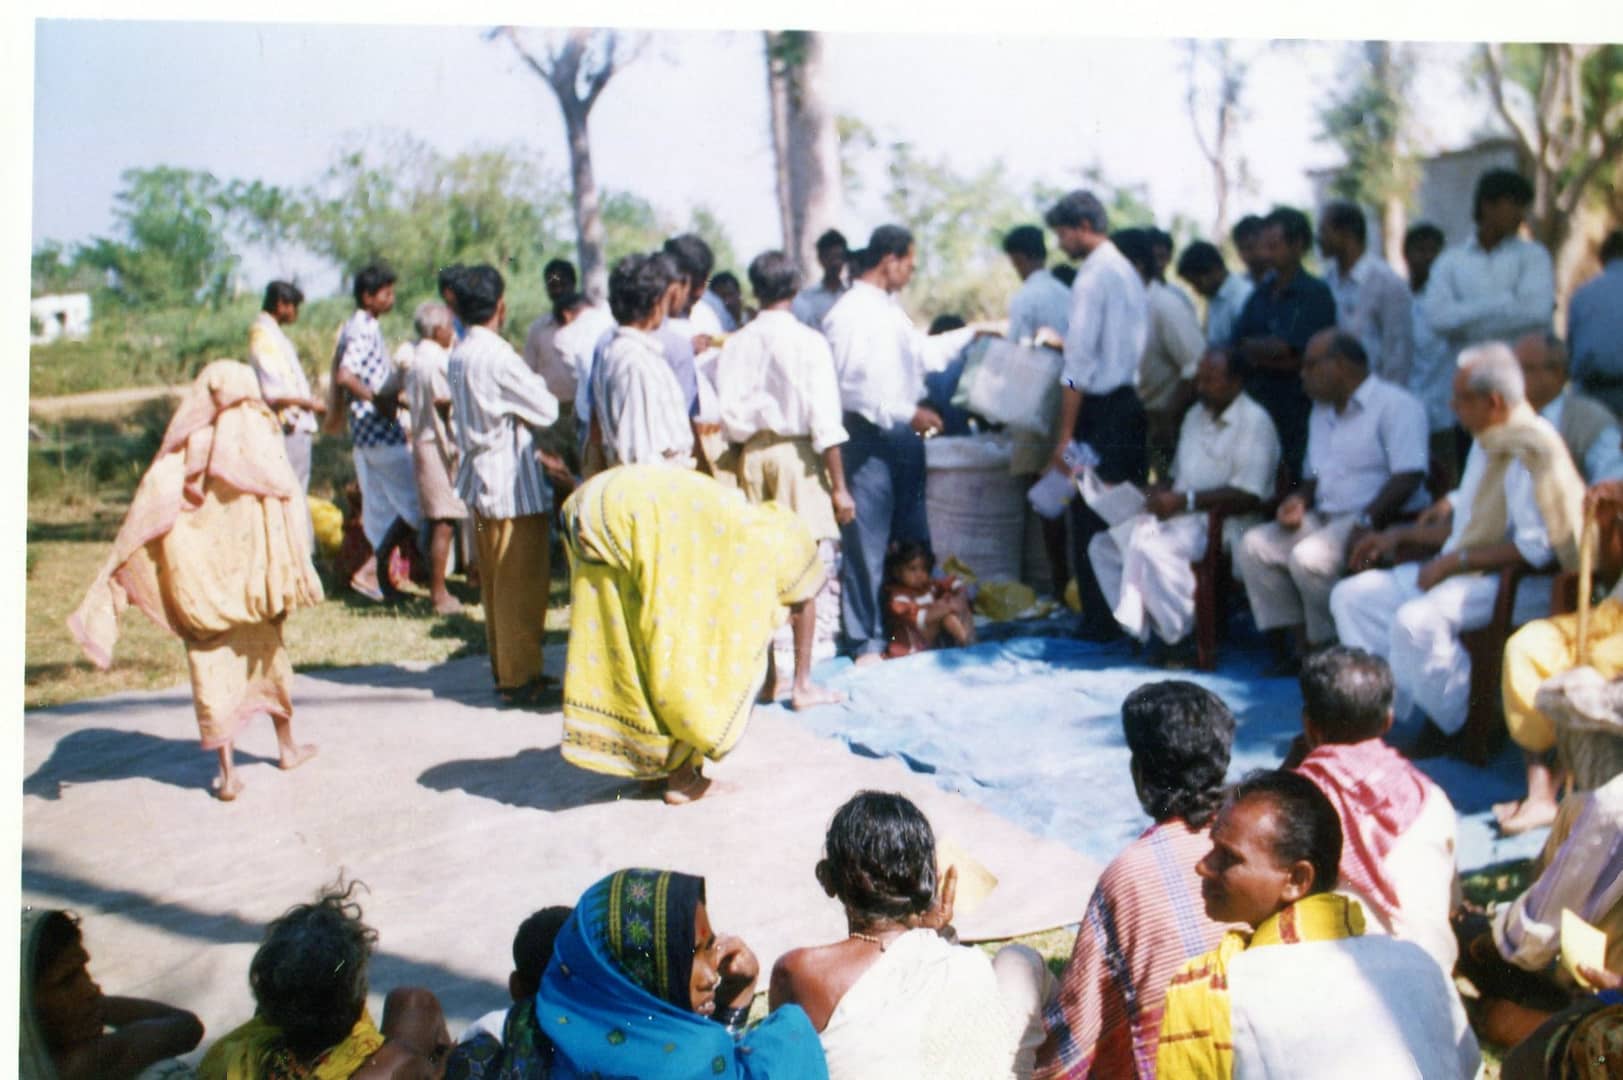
(282, 381)
(1099, 403)
(1412, 615)
(1166, 372)
(1041, 300)
(1587, 427)
(1372, 301)
(1431, 374)
(497, 403)
(539, 355)
(814, 302)
(1201, 266)
(1041, 303)
(1366, 459)
(1228, 456)
(880, 359)
(638, 407)
(780, 408)
(1496, 286)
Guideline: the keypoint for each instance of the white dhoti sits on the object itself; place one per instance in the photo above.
(388, 482)
(1150, 585)
(1418, 633)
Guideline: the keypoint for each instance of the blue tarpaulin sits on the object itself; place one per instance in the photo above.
(1030, 727)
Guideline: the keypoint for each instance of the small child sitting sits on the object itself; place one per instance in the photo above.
(509, 1042)
(920, 609)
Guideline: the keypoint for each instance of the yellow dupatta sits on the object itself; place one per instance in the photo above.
(677, 584)
(255, 1051)
(1197, 1028)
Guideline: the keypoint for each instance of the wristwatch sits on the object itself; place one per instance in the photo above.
(1364, 521)
(1190, 502)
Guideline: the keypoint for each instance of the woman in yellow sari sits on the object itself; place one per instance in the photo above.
(677, 585)
(215, 550)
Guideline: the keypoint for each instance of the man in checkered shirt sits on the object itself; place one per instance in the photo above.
(389, 511)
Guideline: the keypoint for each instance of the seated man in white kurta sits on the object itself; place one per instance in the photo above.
(1412, 615)
(1228, 453)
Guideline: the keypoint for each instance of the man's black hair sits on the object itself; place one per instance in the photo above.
(1026, 240)
(1293, 223)
(694, 259)
(1501, 184)
(1076, 209)
(1250, 225)
(830, 239)
(1137, 247)
(773, 277)
(281, 292)
(888, 240)
(1347, 693)
(1200, 257)
(636, 283)
(1347, 347)
(1424, 231)
(532, 945)
(478, 290)
(370, 279)
(1180, 736)
(1306, 826)
(1346, 217)
(562, 268)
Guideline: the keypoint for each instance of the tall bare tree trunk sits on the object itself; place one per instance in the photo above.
(809, 153)
(777, 95)
(577, 65)
(594, 272)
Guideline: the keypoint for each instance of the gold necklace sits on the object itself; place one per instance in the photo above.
(858, 935)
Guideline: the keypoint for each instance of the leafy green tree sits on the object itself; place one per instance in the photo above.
(1563, 104)
(1367, 116)
(708, 227)
(401, 201)
(172, 247)
(54, 269)
(631, 225)
(958, 223)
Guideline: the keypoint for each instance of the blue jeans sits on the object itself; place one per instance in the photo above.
(884, 471)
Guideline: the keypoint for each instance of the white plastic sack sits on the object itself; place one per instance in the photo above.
(1018, 385)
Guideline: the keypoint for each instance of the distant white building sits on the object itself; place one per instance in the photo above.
(1447, 182)
(53, 318)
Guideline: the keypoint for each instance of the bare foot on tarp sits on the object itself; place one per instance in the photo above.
(1515, 818)
(292, 759)
(811, 695)
(227, 788)
(868, 660)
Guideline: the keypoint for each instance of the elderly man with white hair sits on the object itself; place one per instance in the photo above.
(1519, 501)
(428, 396)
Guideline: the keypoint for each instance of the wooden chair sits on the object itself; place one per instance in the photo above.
(1213, 576)
(1484, 731)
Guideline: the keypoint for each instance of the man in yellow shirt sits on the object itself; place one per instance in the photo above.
(1351, 1004)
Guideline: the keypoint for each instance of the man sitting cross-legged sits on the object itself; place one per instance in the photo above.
(1303, 992)
(1144, 919)
(1227, 457)
(1398, 858)
(1519, 501)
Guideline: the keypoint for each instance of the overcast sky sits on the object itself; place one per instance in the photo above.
(685, 125)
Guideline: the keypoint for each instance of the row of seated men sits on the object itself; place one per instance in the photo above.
(1297, 922)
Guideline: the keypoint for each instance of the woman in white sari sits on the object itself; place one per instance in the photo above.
(898, 997)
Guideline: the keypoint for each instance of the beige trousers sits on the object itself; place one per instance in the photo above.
(1288, 573)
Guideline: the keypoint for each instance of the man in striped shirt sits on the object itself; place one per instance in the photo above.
(496, 403)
